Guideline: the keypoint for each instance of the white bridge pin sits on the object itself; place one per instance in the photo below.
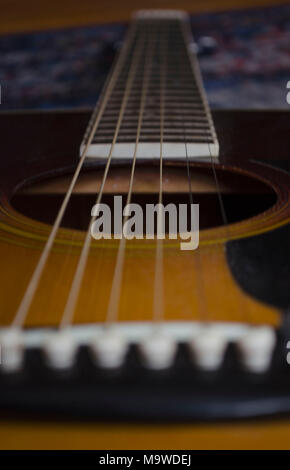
(12, 350)
(208, 348)
(109, 349)
(158, 350)
(60, 349)
(256, 348)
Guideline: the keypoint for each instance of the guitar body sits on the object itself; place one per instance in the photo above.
(33, 159)
(242, 274)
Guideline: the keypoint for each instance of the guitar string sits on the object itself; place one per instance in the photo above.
(199, 280)
(158, 295)
(197, 74)
(115, 294)
(33, 284)
(72, 299)
(202, 311)
(244, 309)
(158, 304)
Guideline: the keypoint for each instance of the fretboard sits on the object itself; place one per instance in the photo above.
(154, 94)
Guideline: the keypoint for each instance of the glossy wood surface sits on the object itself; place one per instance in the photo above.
(264, 435)
(30, 15)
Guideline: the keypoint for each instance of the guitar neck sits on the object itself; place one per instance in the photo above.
(154, 95)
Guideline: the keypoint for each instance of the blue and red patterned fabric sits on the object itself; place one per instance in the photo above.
(244, 57)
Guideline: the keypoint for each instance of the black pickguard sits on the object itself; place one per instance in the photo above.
(261, 266)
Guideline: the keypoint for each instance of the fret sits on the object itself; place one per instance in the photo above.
(177, 127)
(186, 115)
(175, 120)
(167, 130)
(187, 119)
(173, 99)
(191, 113)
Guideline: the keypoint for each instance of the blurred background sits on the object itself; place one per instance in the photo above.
(56, 54)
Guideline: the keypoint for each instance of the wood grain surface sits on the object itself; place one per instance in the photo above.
(268, 434)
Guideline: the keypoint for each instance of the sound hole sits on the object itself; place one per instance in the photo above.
(243, 196)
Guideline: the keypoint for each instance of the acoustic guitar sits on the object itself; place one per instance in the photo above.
(112, 328)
